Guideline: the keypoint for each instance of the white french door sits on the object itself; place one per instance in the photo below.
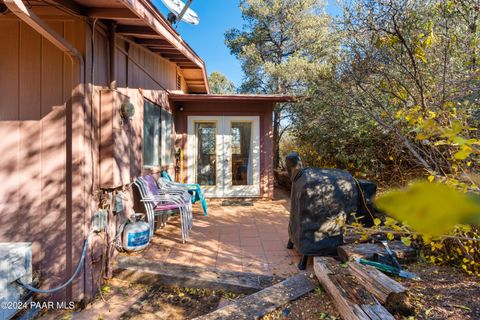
(224, 155)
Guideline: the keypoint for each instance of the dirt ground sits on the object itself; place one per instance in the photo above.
(315, 305)
(173, 303)
(443, 293)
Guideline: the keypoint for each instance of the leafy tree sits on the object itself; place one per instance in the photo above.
(282, 44)
(404, 94)
(406, 81)
(219, 84)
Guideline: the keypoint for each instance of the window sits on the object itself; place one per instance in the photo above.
(158, 148)
(151, 134)
(167, 149)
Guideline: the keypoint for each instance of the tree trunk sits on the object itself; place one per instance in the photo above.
(276, 138)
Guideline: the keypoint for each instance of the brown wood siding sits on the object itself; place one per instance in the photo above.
(36, 81)
(50, 165)
(138, 83)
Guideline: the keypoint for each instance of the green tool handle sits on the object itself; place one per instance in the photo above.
(379, 266)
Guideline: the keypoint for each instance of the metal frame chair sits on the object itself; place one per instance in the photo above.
(163, 203)
(193, 188)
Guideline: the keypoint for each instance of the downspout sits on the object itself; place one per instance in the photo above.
(18, 8)
(29, 17)
(113, 60)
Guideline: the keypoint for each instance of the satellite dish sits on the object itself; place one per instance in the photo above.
(181, 12)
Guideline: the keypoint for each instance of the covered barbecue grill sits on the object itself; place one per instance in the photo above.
(321, 202)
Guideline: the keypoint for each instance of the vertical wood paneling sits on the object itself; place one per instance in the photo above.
(9, 70)
(30, 128)
(101, 59)
(35, 82)
(30, 73)
(52, 72)
(9, 127)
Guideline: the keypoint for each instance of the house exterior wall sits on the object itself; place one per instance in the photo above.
(262, 109)
(41, 201)
(51, 129)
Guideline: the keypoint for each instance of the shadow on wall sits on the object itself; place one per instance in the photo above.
(37, 202)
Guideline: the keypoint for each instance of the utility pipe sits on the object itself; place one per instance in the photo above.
(29, 17)
(19, 9)
(113, 59)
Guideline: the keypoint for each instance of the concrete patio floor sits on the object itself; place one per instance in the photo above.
(236, 238)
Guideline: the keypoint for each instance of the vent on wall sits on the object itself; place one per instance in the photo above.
(179, 82)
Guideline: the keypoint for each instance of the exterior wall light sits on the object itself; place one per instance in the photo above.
(127, 110)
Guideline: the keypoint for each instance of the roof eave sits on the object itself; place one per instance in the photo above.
(148, 12)
(234, 97)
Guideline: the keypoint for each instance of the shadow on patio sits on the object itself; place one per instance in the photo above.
(234, 238)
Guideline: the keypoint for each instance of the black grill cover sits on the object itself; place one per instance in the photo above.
(321, 201)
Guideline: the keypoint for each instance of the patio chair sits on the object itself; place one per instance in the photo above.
(163, 203)
(194, 189)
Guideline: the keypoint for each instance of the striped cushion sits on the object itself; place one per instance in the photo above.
(165, 207)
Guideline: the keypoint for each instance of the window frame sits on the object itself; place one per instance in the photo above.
(156, 163)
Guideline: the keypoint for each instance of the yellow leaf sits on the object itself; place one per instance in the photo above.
(377, 221)
(429, 208)
(390, 222)
(406, 240)
(464, 153)
(390, 236)
(431, 178)
(391, 158)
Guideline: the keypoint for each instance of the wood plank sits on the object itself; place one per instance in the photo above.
(147, 272)
(258, 304)
(388, 291)
(367, 251)
(352, 299)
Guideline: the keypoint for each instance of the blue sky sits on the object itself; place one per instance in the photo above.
(207, 38)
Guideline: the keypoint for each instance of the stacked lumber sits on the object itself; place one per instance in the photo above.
(351, 297)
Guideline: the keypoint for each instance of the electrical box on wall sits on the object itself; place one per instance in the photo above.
(115, 140)
(15, 264)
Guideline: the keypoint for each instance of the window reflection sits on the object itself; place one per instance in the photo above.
(206, 153)
(241, 133)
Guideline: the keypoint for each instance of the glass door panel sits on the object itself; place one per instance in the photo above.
(242, 156)
(223, 155)
(241, 153)
(206, 162)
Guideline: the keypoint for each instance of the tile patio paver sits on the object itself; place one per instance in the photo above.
(237, 238)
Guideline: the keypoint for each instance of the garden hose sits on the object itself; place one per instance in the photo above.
(363, 199)
(74, 275)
